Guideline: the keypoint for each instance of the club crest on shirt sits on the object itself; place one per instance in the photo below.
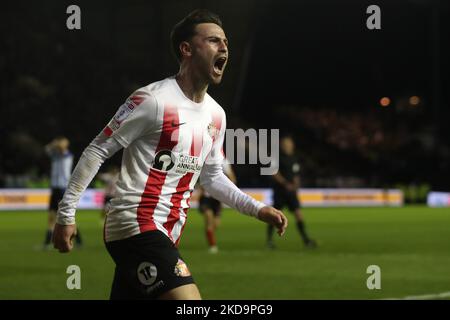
(181, 269)
(212, 130)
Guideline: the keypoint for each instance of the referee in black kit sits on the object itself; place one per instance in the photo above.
(286, 183)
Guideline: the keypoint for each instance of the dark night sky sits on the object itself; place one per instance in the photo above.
(325, 56)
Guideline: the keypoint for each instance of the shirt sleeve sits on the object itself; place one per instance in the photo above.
(100, 149)
(226, 166)
(220, 187)
(135, 118)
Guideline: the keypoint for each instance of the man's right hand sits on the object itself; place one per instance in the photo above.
(62, 237)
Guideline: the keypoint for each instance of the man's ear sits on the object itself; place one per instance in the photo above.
(185, 49)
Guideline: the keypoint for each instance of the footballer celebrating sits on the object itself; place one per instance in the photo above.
(172, 133)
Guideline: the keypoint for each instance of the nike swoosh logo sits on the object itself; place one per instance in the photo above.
(177, 124)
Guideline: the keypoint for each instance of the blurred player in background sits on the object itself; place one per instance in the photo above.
(172, 132)
(61, 167)
(109, 178)
(286, 184)
(212, 208)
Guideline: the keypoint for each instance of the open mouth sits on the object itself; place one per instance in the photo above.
(219, 65)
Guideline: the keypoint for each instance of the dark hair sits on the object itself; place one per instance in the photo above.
(185, 29)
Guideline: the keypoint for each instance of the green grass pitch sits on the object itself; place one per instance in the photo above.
(410, 244)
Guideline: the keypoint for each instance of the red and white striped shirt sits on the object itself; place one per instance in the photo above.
(168, 141)
(167, 138)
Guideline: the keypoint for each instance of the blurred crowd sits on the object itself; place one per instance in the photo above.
(378, 148)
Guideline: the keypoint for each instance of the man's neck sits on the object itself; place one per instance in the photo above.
(193, 88)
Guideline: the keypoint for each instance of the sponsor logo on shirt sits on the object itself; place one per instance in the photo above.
(187, 163)
(166, 160)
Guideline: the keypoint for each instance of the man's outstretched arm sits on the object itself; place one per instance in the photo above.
(213, 180)
(100, 149)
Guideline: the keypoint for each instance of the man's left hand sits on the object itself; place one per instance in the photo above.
(274, 217)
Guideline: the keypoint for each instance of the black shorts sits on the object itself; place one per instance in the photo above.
(284, 198)
(147, 265)
(55, 197)
(206, 203)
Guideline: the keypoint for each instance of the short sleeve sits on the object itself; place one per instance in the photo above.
(135, 118)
